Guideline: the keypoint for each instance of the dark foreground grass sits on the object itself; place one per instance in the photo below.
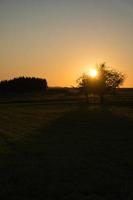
(85, 154)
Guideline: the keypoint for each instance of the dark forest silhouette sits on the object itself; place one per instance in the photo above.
(23, 84)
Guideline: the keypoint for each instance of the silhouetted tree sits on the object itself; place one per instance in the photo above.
(85, 85)
(105, 82)
(23, 84)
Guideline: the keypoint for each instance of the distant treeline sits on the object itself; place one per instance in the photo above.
(23, 84)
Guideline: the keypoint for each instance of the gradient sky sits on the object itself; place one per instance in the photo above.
(61, 39)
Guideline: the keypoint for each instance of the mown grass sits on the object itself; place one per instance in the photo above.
(19, 121)
(65, 152)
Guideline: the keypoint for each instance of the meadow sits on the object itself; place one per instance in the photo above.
(59, 147)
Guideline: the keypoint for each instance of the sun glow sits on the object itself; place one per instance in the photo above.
(93, 73)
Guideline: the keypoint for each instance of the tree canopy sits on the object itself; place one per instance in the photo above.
(106, 81)
(23, 84)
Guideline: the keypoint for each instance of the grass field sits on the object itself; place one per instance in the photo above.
(66, 151)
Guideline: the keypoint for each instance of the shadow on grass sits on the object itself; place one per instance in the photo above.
(86, 154)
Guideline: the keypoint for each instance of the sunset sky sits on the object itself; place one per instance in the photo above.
(61, 39)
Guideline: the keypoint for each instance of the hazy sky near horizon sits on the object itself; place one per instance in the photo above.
(61, 39)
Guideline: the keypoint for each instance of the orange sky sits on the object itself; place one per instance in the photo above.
(59, 39)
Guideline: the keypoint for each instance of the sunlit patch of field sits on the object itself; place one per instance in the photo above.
(20, 121)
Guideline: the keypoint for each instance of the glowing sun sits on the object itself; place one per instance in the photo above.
(93, 73)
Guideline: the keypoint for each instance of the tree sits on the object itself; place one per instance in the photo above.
(23, 85)
(106, 81)
(84, 85)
